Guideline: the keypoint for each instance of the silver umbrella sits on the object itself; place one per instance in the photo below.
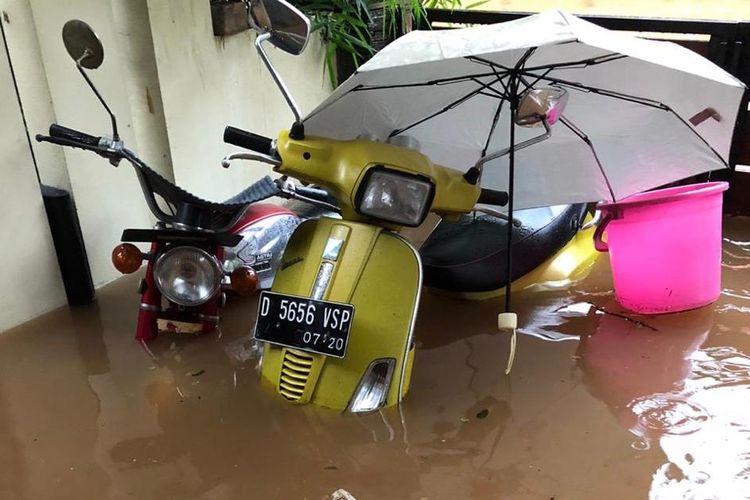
(637, 113)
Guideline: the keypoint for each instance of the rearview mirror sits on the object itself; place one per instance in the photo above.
(288, 28)
(82, 44)
(86, 50)
(545, 104)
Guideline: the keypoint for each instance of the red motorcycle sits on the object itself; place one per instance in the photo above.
(198, 249)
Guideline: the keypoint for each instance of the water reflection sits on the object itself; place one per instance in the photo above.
(86, 413)
(669, 392)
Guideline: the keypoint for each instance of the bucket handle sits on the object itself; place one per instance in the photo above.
(600, 244)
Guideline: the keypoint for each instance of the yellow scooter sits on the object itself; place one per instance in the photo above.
(337, 325)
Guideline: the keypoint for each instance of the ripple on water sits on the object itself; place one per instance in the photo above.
(660, 414)
(722, 364)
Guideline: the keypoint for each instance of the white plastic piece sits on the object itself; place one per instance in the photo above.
(507, 321)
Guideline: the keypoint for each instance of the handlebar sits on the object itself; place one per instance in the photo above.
(248, 140)
(112, 150)
(493, 197)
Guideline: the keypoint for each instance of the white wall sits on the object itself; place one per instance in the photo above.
(30, 279)
(20, 35)
(108, 199)
(208, 82)
(142, 83)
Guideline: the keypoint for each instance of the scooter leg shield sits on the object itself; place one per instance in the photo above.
(377, 272)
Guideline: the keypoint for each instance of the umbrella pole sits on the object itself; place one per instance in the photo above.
(511, 175)
(508, 321)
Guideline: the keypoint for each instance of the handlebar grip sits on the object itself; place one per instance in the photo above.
(493, 197)
(60, 132)
(247, 140)
(64, 141)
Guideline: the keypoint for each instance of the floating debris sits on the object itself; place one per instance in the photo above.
(342, 494)
(626, 318)
(197, 373)
(483, 413)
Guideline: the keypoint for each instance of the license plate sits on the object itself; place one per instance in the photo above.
(311, 325)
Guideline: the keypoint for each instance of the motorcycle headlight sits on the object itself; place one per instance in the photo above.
(187, 276)
(395, 196)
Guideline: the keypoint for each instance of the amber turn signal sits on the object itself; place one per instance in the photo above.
(244, 280)
(127, 258)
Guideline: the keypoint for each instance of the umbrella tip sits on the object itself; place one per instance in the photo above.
(507, 321)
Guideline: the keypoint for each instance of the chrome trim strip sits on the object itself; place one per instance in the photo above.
(208, 317)
(149, 307)
(322, 280)
(333, 248)
(410, 339)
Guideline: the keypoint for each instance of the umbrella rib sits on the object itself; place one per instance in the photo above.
(585, 138)
(450, 106)
(437, 81)
(488, 86)
(595, 90)
(495, 119)
(454, 104)
(485, 62)
(582, 63)
(530, 86)
(630, 98)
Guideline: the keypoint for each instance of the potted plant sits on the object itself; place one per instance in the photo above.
(353, 30)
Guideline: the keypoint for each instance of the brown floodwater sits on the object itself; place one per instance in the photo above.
(597, 406)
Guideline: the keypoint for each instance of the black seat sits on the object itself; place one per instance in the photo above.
(469, 255)
(192, 211)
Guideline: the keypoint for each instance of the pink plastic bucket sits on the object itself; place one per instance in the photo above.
(665, 247)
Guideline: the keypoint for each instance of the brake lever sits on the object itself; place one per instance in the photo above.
(289, 189)
(270, 160)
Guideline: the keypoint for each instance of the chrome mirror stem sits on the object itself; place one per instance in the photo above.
(276, 77)
(525, 144)
(115, 135)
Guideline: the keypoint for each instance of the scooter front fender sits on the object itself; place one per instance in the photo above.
(376, 271)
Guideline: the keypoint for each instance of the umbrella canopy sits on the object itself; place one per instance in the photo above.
(640, 113)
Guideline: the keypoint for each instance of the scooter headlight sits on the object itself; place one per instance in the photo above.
(395, 196)
(187, 276)
(372, 391)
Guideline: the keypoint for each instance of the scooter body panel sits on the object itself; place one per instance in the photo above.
(570, 264)
(376, 271)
